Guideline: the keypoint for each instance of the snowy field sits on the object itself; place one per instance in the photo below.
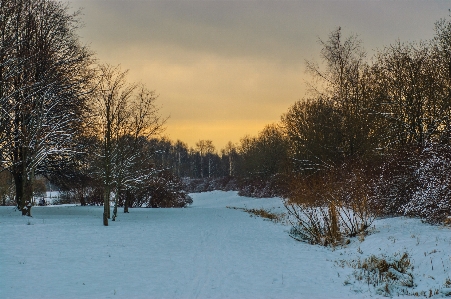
(204, 251)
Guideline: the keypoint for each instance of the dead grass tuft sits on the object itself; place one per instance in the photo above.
(275, 217)
(387, 274)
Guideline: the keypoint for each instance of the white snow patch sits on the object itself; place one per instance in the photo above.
(204, 251)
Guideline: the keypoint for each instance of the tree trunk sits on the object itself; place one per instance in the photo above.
(126, 202)
(115, 209)
(109, 210)
(105, 219)
(28, 195)
(106, 206)
(24, 193)
(209, 167)
(18, 183)
(82, 199)
(126, 205)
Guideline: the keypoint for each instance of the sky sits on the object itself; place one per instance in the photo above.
(224, 69)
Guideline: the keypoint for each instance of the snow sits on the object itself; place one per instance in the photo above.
(204, 251)
(50, 197)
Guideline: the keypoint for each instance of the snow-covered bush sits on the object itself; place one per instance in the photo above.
(274, 186)
(393, 183)
(162, 191)
(415, 183)
(209, 184)
(431, 200)
(65, 197)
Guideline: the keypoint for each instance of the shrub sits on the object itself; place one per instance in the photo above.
(210, 184)
(395, 182)
(431, 200)
(328, 207)
(315, 225)
(65, 197)
(415, 183)
(327, 225)
(164, 190)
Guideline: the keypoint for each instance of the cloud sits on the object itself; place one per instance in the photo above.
(210, 88)
(278, 30)
(234, 63)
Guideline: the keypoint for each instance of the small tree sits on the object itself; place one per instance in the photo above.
(346, 86)
(205, 149)
(265, 155)
(123, 114)
(230, 152)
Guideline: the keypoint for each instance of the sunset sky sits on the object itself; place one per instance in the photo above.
(224, 69)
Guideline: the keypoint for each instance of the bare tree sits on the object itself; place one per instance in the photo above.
(123, 113)
(413, 94)
(180, 150)
(315, 135)
(205, 148)
(44, 78)
(230, 152)
(265, 155)
(441, 56)
(345, 68)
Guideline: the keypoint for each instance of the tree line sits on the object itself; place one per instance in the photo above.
(88, 130)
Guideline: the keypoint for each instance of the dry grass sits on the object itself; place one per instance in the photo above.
(275, 217)
(387, 274)
(315, 225)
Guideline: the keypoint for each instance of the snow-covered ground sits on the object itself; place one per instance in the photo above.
(204, 251)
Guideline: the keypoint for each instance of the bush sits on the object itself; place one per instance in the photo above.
(327, 225)
(210, 184)
(164, 190)
(328, 207)
(415, 183)
(315, 225)
(275, 186)
(167, 191)
(394, 183)
(431, 199)
(65, 198)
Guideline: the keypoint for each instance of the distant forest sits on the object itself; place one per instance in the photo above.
(376, 128)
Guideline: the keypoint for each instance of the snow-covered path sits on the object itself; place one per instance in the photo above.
(204, 251)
